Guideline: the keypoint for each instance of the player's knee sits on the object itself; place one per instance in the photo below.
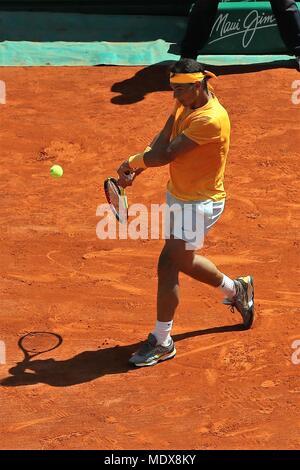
(185, 262)
(165, 262)
(173, 260)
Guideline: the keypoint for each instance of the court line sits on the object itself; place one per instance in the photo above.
(206, 348)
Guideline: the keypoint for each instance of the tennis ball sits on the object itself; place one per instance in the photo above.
(56, 171)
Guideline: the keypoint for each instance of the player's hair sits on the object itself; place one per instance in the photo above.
(188, 66)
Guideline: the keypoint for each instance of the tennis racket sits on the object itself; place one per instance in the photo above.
(35, 343)
(117, 199)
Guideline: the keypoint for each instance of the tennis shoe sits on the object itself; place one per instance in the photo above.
(243, 301)
(150, 353)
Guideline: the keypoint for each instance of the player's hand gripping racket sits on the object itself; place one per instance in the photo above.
(117, 199)
(35, 343)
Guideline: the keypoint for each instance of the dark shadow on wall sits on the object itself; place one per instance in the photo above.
(156, 78)
(94, 24)
(106, 7)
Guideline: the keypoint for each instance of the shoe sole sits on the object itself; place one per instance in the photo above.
(155, 361)
(252, 318)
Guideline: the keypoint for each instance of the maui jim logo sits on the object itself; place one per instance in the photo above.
(252, 23)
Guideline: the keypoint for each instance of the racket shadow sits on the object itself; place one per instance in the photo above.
(89, 365)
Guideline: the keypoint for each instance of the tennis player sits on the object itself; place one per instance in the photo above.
(194, 143)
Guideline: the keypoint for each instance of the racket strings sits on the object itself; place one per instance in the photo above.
(114, 195)
(117, 201)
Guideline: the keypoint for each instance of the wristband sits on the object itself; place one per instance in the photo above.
(137, 161)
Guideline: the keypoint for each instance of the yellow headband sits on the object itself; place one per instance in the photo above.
(190, 77)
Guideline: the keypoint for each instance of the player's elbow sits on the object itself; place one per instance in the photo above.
(163, 158)
(169, 156)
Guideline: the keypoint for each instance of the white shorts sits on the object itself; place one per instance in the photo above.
(191, 220)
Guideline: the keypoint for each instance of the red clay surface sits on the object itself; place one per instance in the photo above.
(226, 389)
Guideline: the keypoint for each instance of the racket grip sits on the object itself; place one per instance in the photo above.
(127, 173)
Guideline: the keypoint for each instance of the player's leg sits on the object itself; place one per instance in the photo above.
(175, 258)
(159, 344)
(190, 224)
(287, 16)
(196, 266)
(239, 293)
(200, 22)
(168, 285)
(178, 255)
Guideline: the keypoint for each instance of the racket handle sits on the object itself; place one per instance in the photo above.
(127, 173)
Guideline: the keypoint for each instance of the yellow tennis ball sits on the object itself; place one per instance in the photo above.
(56, 171)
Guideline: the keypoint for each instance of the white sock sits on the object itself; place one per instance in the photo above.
(227, 287)
(162, 332)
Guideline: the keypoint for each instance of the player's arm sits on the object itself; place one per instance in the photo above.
(200, 132)
(161, 154)
(162, 139)
(157, 149)
(163, 151)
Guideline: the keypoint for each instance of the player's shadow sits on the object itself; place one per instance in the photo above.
(148, 80)
(234, 69)
(89, 365)
(156, 78)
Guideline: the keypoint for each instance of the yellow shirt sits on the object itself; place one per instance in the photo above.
(199, 174)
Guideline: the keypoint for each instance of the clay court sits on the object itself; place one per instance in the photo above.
(226, 388)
